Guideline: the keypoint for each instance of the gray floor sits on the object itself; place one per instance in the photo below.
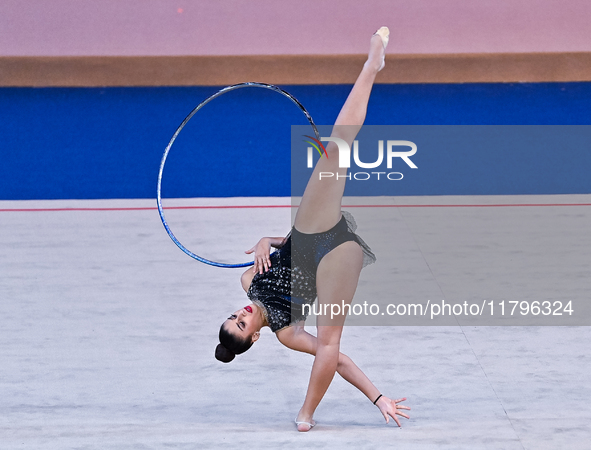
(108, 330)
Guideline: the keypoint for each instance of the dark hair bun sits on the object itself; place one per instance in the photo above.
(223, 354)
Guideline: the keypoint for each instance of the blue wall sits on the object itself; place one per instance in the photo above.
(85, 143)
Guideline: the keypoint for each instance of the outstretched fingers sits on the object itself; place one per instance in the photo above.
(402, 414)
(390, 408)
(401, 407)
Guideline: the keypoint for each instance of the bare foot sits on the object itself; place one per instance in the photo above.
(377, 49)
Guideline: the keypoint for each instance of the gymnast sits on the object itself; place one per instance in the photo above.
(321, 257)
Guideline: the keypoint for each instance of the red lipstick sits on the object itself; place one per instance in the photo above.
(248, 308)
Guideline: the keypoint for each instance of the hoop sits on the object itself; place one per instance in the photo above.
(176, 133)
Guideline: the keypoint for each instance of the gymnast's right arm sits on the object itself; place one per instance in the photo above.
(262, 250)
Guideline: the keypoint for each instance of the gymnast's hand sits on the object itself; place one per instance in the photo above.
(390, 408)
(261, 251)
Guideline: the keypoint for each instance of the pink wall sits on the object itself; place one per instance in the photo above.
(239, 27)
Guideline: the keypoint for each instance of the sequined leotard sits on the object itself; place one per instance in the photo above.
(291, 281)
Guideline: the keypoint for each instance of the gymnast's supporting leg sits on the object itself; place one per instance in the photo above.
(320, 210)
(337, 278)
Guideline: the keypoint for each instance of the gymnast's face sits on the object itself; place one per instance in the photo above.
(244, 323)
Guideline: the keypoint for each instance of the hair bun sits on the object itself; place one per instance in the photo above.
(223, 354)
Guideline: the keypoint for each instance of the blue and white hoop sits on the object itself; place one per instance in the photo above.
(176, 133)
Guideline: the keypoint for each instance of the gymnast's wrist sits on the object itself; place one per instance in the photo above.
(375, 402)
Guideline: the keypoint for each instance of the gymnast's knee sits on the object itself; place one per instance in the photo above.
(344, 361)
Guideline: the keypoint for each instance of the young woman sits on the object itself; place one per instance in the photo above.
(321, 257)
